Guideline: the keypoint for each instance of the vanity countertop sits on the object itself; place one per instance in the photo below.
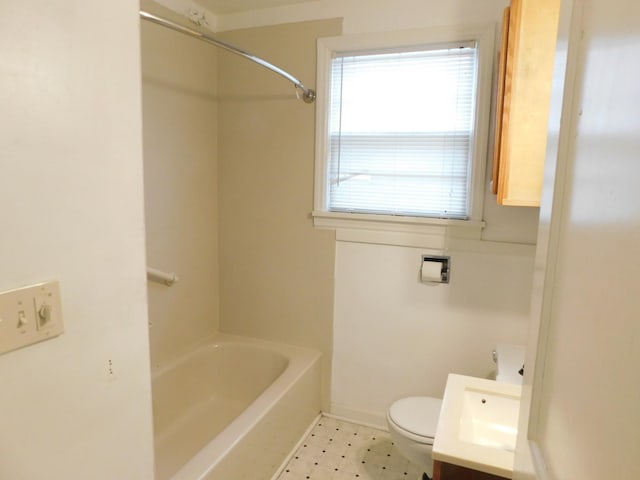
(478, 425)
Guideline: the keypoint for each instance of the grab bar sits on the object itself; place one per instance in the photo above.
(158, 276)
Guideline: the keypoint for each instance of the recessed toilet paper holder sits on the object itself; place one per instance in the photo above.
(444, 262)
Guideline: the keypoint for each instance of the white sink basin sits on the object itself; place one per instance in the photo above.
(489, 419)
(478, 424)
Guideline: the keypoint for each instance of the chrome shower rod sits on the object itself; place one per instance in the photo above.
(308, 95)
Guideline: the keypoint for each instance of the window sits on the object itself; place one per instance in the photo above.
(402, 126)
(400, 131)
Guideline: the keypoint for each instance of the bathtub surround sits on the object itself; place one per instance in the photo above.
(77, 406)
(273, 287)
(180, 111)
(276, 270)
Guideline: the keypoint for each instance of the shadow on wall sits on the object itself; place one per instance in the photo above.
(499, 283)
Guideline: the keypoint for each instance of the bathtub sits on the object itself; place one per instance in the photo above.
(232, 408)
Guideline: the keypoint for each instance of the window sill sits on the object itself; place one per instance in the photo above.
(432, 233)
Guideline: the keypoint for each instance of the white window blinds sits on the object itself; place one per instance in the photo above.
(401, 131)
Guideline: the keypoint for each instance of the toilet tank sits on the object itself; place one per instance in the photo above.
(509, 360)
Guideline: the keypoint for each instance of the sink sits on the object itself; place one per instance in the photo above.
(478, 424)
(489, 419)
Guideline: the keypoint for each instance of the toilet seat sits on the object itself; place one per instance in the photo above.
(416, 417)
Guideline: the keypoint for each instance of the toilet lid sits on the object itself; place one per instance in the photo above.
(417, 415)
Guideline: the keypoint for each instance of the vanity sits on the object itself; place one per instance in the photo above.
(477, 429)
(448, 471)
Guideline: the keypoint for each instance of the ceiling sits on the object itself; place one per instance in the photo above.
(218, 7)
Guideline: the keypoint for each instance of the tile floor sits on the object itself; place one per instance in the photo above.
(338, 450)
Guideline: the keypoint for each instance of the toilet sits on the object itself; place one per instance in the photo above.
(412, 421)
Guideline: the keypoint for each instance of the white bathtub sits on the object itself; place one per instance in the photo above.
(233, 408)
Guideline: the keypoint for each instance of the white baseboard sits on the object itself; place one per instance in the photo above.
(362, 417)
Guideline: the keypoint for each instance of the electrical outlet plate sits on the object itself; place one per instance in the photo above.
(30, 315)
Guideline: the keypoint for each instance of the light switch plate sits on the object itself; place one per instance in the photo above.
(30, 315)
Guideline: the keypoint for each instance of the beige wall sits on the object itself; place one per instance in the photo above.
(77, 406)
(181, 186)
(276, 269)
(586, 422)
(386, 325)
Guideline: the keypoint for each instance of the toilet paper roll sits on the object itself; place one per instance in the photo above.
(431, 272)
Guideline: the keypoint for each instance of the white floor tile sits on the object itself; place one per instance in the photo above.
(338, 450)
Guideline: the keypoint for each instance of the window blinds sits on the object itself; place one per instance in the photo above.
(401, 130)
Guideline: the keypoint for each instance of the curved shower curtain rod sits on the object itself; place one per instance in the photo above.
(308, 95)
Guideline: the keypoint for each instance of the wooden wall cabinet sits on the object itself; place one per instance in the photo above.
(524, 94)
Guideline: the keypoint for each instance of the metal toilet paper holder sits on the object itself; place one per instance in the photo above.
(445, 266)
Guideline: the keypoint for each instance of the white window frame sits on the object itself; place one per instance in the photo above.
(404, 230)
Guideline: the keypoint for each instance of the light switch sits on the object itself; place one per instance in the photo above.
(22, 319)
(30, 315)
(44, 311)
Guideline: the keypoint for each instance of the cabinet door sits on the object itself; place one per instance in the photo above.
(528, 71)
(448, 471)
(502, 73)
